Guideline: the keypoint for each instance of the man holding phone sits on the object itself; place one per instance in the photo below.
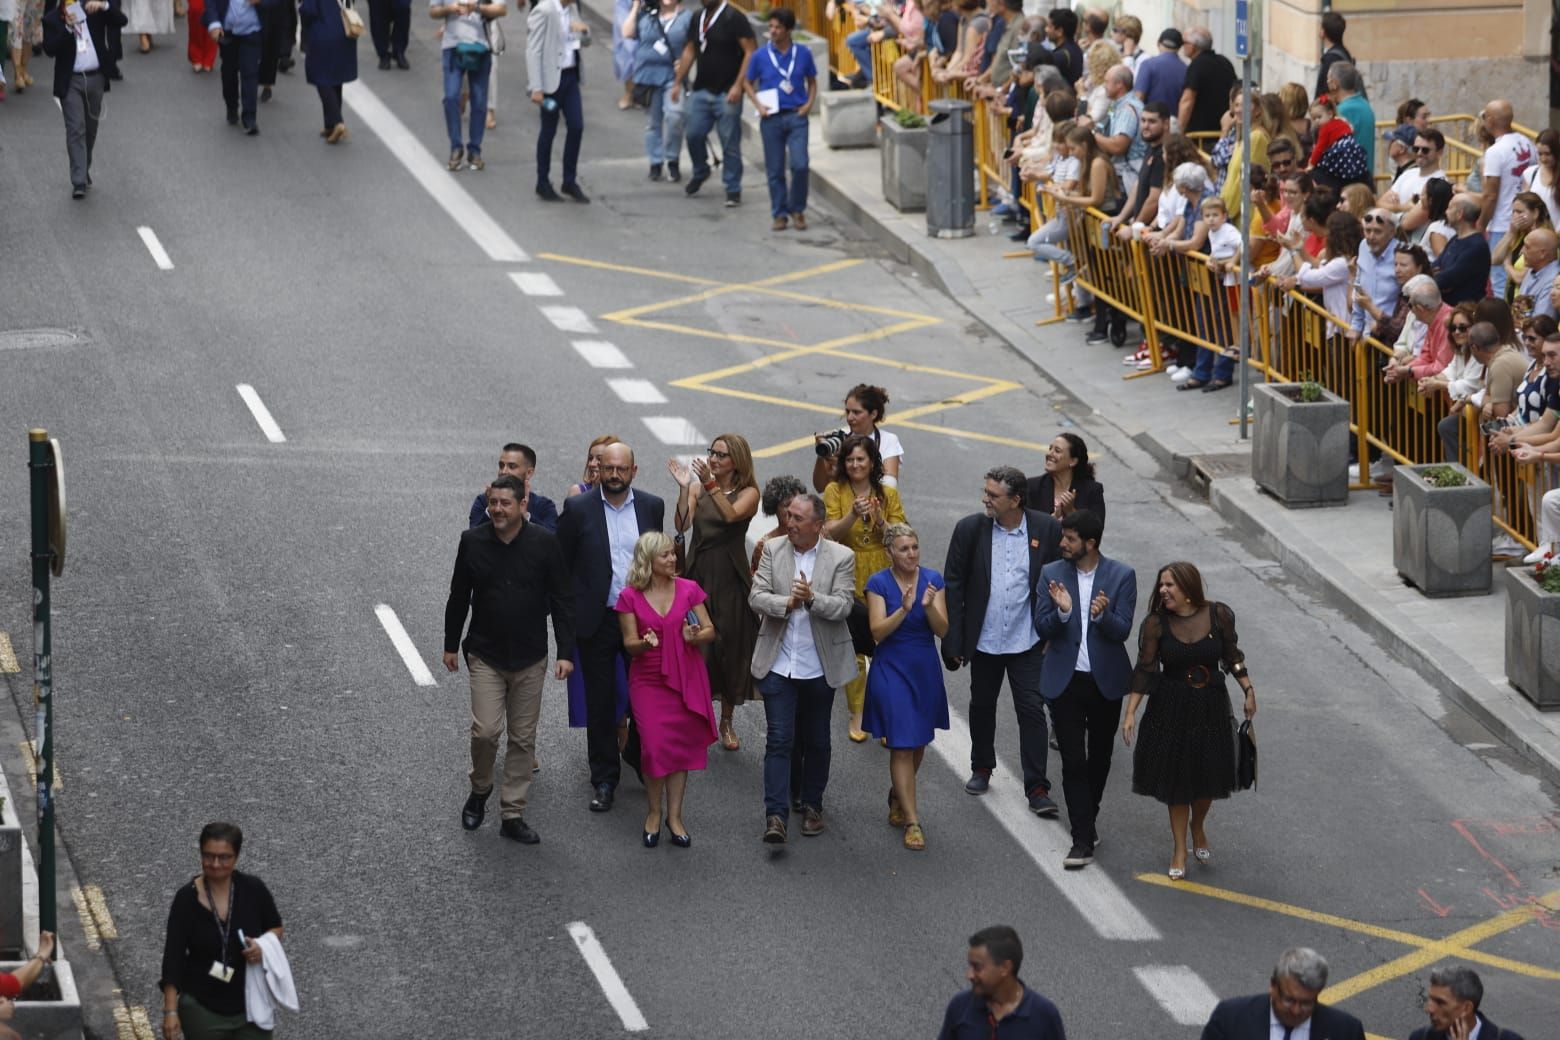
(75, 36)
(235, 25)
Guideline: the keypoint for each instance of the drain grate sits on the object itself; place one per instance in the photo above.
(1218, 467)
(31, 339)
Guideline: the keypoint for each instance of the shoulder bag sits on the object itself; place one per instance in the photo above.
(351, 21)
(1246, 756)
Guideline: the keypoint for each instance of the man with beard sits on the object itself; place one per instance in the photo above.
(998, 1004)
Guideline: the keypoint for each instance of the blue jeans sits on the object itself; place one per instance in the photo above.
(857, 42)
(707, 109)
(785, 134)
(1216, 325)
(797, 712)
(664, 127)
(477, 84)
(1497, 271)
(568, 97)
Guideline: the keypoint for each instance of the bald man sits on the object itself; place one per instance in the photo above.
(1463, 269)
(1538, 254)
(1507, 155)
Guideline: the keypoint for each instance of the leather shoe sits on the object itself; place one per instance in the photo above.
(812, 822)
(475, 809)
(384, 63)
(547, 193)
(401, 62)
(695, 183)
(602, 801)
(573, 191)
(516, 830)
(979, 782)
(682, 841)
(774, 831)
(652, 839)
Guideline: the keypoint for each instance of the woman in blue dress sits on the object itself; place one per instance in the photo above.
(906, 700)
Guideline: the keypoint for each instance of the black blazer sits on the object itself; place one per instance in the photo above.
(1040, 494)
(59, 43)
(582, 531)
(1487, 1031)
(967, 575)
(1246, 1018)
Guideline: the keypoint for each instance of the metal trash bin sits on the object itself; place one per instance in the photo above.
(950, 171)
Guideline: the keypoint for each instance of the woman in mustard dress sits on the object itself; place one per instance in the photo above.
(859, 508)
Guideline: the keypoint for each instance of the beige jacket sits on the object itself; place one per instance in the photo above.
(834, 591)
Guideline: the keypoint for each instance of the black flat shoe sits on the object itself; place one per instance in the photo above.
(516, 830)
(682, 841)
(547, 193)
(673, 172)
(384, 63)
(573, 191)
(475, 810)
(401, 62)
(1217, 384)
(1191, 384)
(652, 840)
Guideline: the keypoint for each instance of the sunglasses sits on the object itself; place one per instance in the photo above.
(1459, 328)
(1418, 150)
(1375, 220)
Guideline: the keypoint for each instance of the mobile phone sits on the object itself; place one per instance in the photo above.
(74, 13)
(692, 618)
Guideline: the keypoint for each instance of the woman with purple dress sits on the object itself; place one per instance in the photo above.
(664, 623)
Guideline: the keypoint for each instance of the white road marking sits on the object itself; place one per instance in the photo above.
(1179, 990)
(159, 254)
(606, 975)
(636, 391)
(568, 319)
(403, 645)
(535, 283)
(1091, 891)
(430, 173)
(598, 353)
(262, 414)
(672, 429)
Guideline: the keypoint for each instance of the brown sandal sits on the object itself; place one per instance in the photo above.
(728, 736)
(896, 812)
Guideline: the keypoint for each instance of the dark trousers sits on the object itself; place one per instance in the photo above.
(573, 113)
(330, 103)
(390, 24)
(796, 712)
(1023, 675)
(599, 654)
(82, 107)
(1086, 734)
(241, 74)
(278, 29)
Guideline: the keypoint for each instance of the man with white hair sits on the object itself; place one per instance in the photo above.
(1209, 76)
(1374, 277)
(1288, 1008)
(1538, 253)
(1429, 314)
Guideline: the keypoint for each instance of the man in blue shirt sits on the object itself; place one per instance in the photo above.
(1376, 270)
(998, 1006)
(1162, 77)
(518, 461)
(235, 25)
(782, 81)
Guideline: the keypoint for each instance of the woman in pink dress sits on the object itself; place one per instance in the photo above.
(664, 623)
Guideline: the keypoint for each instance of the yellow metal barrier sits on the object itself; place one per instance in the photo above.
(1120, 274)
(841, 61)
(1402, 421)
(811, 15)
(1517, 487)
(991, 142)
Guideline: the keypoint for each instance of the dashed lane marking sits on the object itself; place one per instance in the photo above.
(672, 430)
(1179, 990)
(262, 414)
(403, 645)
(160, 255)
(607, 977)
(636, 391)
(535, 283)
(598, 353)
(431, 174)
(7, 655)
(568, 319)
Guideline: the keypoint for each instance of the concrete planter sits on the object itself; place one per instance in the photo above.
(1441, 536)
(849, 118)
(1532, 639)
(904, 165)
(51, 1008)
(1300, 450)
(15, 865)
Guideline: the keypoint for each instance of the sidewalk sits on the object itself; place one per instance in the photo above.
(1345, 554)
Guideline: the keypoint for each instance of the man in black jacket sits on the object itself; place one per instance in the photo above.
(1453, 1007)
(994, 561)
(510, 575)
(1289, 1003)
(75, 35)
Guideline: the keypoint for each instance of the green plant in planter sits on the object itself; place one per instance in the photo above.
(1443, 477)
(909, 120)
(1310, 389)
(1547, 572)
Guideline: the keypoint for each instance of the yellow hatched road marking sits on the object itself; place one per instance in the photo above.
(7, 655)
(88, 925)
(97, 906)
(132, 1023)
(30, 763)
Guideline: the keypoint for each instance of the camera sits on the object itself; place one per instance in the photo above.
(831, 443)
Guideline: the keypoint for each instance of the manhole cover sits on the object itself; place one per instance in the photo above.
(28, 339)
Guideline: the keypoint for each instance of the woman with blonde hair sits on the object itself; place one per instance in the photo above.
(1097, 61)
(664, 622)
(1297, 114)
(717, 496)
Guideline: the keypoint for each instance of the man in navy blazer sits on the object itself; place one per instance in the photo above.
(1083, 610)
(236, 26)
(1452, 1002)
(76, 37)
(1288, 1006)
(597, 531)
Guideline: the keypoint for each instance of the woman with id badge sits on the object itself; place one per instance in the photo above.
(662, 31)
(782, 81)
(212, 929)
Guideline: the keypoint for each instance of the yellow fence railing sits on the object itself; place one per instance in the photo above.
(841, 61)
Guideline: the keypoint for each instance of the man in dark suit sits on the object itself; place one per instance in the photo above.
(236, 26)
(518, 461)
(75, 36)
(1084, 613)
(994, 561)
(1289, 1004)
(1453, 1007)
(598, 530)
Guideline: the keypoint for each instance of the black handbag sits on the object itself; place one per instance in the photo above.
(860, 627)
(1246, 756)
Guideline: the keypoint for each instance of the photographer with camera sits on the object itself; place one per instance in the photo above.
(865, 407)
(661, 27)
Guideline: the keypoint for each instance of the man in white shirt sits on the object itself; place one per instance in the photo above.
(1405, 193)
(1507, 156)
(74, 35)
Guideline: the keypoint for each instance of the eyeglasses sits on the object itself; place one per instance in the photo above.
(606, 468)
(719, 454)
(217, 857)
(1418, 150)
(1459, 328)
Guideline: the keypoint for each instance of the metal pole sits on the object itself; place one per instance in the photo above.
(1245, 239)
(40, 461)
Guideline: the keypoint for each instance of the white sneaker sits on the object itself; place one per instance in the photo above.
(1181, 375)
(1354, 472)
(1144, 364)
(1505, 545)
(1538, 554)
(1381, 469)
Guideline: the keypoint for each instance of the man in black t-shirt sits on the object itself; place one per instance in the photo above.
(1143, 206)
(721, 41)
(1209, 77)
(1061, 26)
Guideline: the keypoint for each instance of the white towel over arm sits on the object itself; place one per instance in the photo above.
(269, 983)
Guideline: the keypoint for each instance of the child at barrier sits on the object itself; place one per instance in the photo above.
(1062, 173)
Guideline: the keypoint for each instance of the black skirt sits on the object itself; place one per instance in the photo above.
(1185, 743)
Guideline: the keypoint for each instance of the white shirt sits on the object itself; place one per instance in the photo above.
(1085, 597)
(1533, 180)
(622, 533)
(1224, 243)
(1299, 1032)
(569, 47)
(86, 52)
(798, 657)
(1508, 159)
(1411, 184)
(1442, 228)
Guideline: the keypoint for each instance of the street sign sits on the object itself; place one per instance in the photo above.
(57, 510)
(1242, 30)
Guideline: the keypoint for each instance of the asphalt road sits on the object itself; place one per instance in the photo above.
(218, 654)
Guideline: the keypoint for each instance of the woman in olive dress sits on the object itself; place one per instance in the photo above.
(718, 497)
(1185, 754)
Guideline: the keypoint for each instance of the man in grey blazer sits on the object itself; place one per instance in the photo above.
(802, 594)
